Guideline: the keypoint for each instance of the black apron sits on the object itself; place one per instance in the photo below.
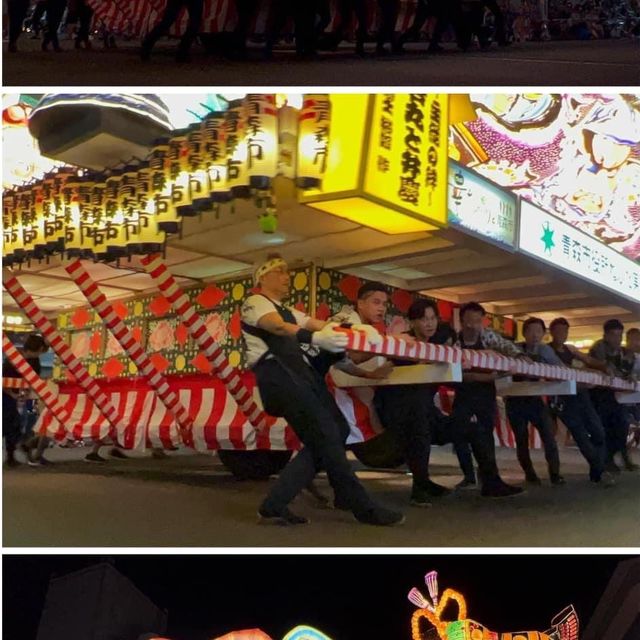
(471, 394)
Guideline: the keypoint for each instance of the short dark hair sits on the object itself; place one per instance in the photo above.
(419, 306)
(531, 321)
(35, 342)
(612, 325)
(472, 306)
(633, 331)
(371, 287)
(556, 322)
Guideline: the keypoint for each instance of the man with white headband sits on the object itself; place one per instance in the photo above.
(291, 388)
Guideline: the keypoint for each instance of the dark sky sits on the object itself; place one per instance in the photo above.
(348, 597)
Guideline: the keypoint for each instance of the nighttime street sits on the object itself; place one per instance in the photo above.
(558, 63)
(325, 597)
(190, 500)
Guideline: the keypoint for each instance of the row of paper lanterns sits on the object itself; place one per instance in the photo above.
(131, 210)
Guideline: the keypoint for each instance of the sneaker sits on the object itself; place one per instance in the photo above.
(557, 480)
(420, 499)
(606, 480)
(119, 455)
(40, 462)
(500, 490)
(94, 457)
(282, 517)
(466, 484)
(433, 489)
(381, 517)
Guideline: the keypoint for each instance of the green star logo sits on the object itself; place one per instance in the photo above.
(547, 237)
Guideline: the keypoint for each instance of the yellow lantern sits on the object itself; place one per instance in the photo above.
(179, 174)
(236, 138)
(102, 234)
(53, 210)
(313, 140)
(287, 141)
(29, 229)
(158, 187)
(198, 174)
(114, 225)
(12, 229)
(74, 240)
(215, 156)
(387, 162)
(262, 139)
(128, 206)
(37, 204)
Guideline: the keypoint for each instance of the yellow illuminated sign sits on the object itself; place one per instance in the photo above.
(387, 162)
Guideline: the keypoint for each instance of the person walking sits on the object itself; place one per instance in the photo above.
(17, 14)
(171, 13)
(55, 10)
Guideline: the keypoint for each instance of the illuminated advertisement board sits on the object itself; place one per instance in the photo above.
(477, 205)
(575, 155)
(552, 240)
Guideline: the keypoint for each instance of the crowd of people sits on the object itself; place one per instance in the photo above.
(463, 21)
(291, 355)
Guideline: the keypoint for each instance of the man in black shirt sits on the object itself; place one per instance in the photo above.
(34, 347)
(408, 410)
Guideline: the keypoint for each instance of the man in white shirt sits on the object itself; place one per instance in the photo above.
(290, 387)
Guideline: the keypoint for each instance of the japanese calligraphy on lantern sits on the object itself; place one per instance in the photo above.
(477, 205)
(406, 165)
(548, 238)
(313, 140)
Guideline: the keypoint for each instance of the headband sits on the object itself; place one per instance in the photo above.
(267, 266)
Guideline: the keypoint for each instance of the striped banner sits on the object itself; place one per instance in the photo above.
(133, 348)
(218, 421)
(39, 386)
(63, 351)
(198, 331)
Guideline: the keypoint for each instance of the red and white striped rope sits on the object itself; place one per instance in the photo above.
(133, 348)
(14, 383)
(35, 381)
(398, 348)
(75, 367)
(198, 331)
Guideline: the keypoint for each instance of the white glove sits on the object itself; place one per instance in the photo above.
(330, 340)
(374, 337)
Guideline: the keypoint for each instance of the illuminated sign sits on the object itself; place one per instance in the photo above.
(575, 155)
(386, 164)
(479, 206)
(547, 238)
(306, 633)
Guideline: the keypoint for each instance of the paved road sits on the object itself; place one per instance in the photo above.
(599, 63)
(189, 500)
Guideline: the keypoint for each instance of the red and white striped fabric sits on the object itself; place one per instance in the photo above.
(218, 422)
(229, 375)
(14, 383)
(110, 12)
(132, 347)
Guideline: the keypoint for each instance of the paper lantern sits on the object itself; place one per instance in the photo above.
(198, 173)
(387, 162)
(158, 187)
(53, 209)
(262, 139)
(287, 141)
(103, 231)
(215, 156)
(236, 149)
(75, 241)
(179, 174)
(114, 218)
(313, 140)
(37, 204)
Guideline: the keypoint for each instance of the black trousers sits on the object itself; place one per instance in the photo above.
(498, 17)
(55, 11)
(423, 11)
(11, 423)
(85, 13)
(388, 17)
(17, 14)
(473, 415)
(171, 13)
(447, 12)
(246, 10)
(615, 420)
(346, 9)
(524, 410)
(304, 401)
(583, 422)
(408, 413)
(303, 14)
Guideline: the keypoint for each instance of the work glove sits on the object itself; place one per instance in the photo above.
(374, 337)
(330, 340)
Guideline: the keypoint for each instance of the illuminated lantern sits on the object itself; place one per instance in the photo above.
(287, 141)
(313, 140)
(159, 188)
(128, 206)
(304, 632)
(262, 139)
(37, 204)
(101, 233)
(25, 213)
(236, 151)
(179, 174)
(387, 162)
(114, 219)
(12, 229)
(215, 157)
(247, 634)
(75, 244)
(53, 210)
(198, 173)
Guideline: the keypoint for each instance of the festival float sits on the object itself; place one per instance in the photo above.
(164, 367)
